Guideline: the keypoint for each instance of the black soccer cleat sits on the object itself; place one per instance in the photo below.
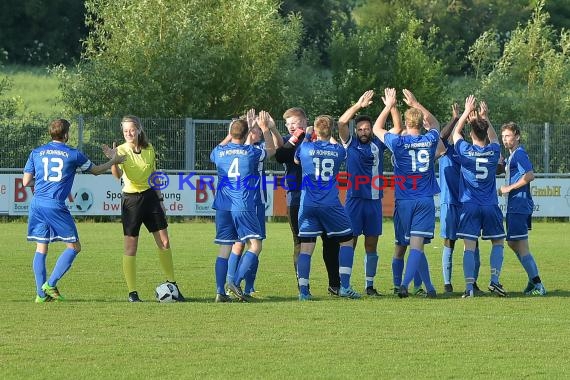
(371, 292)
(333, 290)
(180, 297)
(403, 292)
(495, 287)
(134, 297)
(448, 288)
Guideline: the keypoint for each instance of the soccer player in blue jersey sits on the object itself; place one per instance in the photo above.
(51, 170)
(255, 138)
(365, 167)
(519, 172)
(296, 122)
(321, 210)
(480, 213)
(450, 206)
(414, 181)
(236, 212)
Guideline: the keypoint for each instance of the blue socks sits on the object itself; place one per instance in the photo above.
(370, 265)
(469, 269)
(417, 280)
(62, 265)
(221, 272)
(412, 266)
(303, 271)
(477, 263)
(447, 264)
(496, 262)
(529, 266)
(250, 277)
(397, 271)
(39, 268)
(423, 269)
(233, 262)
(345, 261)
(245, 265)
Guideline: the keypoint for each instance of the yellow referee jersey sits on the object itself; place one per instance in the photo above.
(137, 168)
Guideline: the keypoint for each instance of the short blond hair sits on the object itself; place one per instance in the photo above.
(414, 118)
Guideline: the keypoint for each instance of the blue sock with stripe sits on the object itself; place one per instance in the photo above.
(345, 261)
(529, 265)
(303, 272)
(370, 265)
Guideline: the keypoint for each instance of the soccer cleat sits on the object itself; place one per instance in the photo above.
(52, 291)
(349, 293)
(180, 297)
(43, 299)
(476, 290)
(223, 298)
(497, 289)
(403, 292)
(419, 292)
(431, 294)
(305, 297)
(448, 288)
(468, 294)
(333, 290)
(396, 290)
(529, 288)
(236, 291)
(134, 297)
(538, 290)
(371, 292)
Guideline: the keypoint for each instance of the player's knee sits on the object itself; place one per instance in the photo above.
(344, 239)
(307, 239)
(76, 247)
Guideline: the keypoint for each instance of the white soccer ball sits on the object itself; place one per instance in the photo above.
(166, 292)
(83, 200)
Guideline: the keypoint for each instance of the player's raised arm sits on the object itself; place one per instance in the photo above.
(364, 101)
(263, 121)
(431, 121)
(114, 161)
(484, 113)
(389, 100)
(469, 108)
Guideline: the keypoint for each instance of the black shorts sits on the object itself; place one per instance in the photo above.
(139, 208)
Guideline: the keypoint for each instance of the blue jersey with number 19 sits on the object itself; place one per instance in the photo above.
(53, 166)
(478, 170)
(320, 162)
(238, 176)
(414, 173)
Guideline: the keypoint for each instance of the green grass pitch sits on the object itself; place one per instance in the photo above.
(96, 334)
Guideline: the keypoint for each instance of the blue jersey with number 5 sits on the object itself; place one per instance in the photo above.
(478, 170)
(320, 163)
(53, 166)
(414, 173)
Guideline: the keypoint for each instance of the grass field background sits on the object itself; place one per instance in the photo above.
(97, 334)
(36, 86)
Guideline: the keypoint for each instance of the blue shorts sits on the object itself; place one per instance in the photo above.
(449, 220)
(518, 226)
(365, 216)
(313, 221)
(232, 226)
(414, 217)
(51, 221)
(484, 221)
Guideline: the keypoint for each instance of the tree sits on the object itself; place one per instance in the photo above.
(200, 58)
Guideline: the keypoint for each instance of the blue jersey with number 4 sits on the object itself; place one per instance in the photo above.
(53, 166)
(414, 173)
(320, 162)
(478, 170)
(238, 176)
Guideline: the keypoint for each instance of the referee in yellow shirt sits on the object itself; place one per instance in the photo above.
(141, 204)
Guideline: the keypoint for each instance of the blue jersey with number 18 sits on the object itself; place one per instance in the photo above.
(53, 166)
(414, 173)
(320, 162)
